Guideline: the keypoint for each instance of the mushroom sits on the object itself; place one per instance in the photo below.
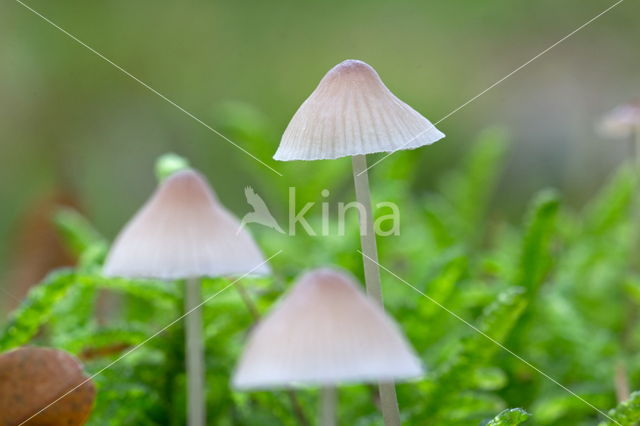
(183, 232)
(325, 332)
(352, 113)
(623, 122)
(44, 386)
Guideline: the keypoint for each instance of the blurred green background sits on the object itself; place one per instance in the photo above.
(70, 120)
(75, 130)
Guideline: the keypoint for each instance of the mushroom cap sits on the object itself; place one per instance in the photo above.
(324, 332)
(622, 121)
(31, 378)
(352, 112)
(183, 232)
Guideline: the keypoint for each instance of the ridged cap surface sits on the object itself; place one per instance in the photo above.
(352, 112)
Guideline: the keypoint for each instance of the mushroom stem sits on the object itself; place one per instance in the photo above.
(621, 381)
(196, 409)
(367, 232)
(388, 398)
(328, 404)
(635, 144)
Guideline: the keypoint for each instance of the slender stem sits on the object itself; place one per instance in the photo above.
(388, 398)
(328, 404)
(389, 404)
(633, 144)
(636, 144)
(196, 409)
(367, 232)
(621, 377)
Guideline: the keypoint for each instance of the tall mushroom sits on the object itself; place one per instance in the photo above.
(183, 232)
(325, 332)
(352, 113)
(623, 122)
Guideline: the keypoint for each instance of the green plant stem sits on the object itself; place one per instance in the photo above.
(388, 398)
(246, 298)
(297, 408)
(328, 404)
(196, 409)
(367, 232)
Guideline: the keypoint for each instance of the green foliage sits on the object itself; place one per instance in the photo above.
(470, 187)
(469, 367)
(535, 256)
(510, 417)
(243, 122)
(560, 290)
(612, 206)
(461, 203)
(77, 233)
(36, 309)
(493, 326)
(93, 340)
(627, 413)
(154, 291)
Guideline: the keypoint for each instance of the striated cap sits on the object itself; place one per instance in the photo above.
(325, 331)
(352, 112)
(183, 232)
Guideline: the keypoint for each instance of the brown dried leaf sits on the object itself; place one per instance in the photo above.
(38, 247)
(31, 378)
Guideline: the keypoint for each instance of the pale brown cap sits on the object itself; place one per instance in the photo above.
(184, 232)
(325, 331)
(352, 112)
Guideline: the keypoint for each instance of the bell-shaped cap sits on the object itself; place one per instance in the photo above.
(622, 122)
(352, 112)
(325, 331)
(184, 232)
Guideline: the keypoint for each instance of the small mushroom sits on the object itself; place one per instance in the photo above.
(623, 122)
(43, 387)
(352, 113)
(183, 232)
(325, 332)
